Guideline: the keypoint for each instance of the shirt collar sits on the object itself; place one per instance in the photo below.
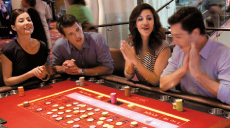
(84, 45)
(204, 53)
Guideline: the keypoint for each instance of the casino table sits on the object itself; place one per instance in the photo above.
(148, 112)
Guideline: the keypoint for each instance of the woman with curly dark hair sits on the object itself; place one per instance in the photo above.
(147, 52)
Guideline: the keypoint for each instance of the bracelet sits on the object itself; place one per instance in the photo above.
(46, 78)
(128, 75)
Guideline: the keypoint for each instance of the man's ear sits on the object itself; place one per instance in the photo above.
(195, 34)
(63, 36)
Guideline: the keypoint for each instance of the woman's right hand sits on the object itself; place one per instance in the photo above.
(39, 72)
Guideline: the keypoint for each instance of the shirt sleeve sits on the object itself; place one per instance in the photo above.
(103, 53)
(57, 58)
(223, 77)
(47, 11)
(172, 62)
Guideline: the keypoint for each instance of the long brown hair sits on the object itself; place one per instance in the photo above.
(157, 35)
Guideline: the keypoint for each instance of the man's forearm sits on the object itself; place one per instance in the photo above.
(100, 70)
(171, 80)
(58, 69)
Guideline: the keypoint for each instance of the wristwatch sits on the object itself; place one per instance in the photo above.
(82, 71)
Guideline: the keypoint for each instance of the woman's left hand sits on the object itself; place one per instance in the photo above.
(40, 72)
(128, 52)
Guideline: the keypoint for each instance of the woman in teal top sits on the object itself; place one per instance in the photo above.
(80, 11)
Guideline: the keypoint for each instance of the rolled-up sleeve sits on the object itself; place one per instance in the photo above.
(103, 53)
(172, 62)
(223, 76)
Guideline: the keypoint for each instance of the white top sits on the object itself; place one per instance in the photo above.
(43, 10)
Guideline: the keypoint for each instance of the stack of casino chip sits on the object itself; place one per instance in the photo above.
(82, 81)
(127, 91)
(113, 98)
(26, 104)
(21, 91)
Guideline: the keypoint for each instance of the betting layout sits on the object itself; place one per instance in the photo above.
(81, 107)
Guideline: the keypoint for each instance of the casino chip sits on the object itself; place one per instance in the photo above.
(68, 110)
(62, 107)
(105, 126)
(97, 109)
(109, 120)
(60, 113)
(119, 123)
(82, 111)
(68, 116)
(59, 118)
(90, 113)
(89, 109)
(55, 105)
(76, 112)
(100, 122)
(77, 119)
(134, 123)
(105, 113)
(49, 113)
(83, 105)
(90, 119)
(76, 108)
(76, 126)
(70, 121)
(148, 120)
(39, 109)
(54, 110)
(92, 126)
(47, 103)
(102, 118)
(54, 116)
(26, 104)
(83, 116)
(75, 103)
(68, 105)
(110, 126)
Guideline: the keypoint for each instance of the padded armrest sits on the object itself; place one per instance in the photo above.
(119, 62)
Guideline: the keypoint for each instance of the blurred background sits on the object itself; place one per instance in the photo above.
(111, 17)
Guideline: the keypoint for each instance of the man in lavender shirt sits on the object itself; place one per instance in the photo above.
(199, 64)
(78, 52)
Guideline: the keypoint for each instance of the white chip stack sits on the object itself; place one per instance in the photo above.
(82, 81)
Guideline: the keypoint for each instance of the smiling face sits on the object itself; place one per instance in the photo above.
(74, 34)
(145, 23)
(23, 24)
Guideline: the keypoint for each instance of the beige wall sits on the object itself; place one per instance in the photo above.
(16, 4)
(58, 4)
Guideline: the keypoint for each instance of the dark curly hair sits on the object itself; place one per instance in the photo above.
(156, 37)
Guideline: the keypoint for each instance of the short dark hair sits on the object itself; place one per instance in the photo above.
(14, 14)
(31, 3)
(157, 35)
(81, 2)
(64, 21)
(190, 19)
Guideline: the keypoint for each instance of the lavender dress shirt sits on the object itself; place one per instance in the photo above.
(214, 62)
(95, 52)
